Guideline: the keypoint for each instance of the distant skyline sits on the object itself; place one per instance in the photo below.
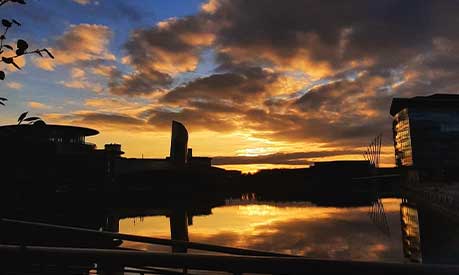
(258, 84)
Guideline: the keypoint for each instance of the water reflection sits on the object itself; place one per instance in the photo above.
(299, 228)
(411, 235)
(179, 222)
(388, 229)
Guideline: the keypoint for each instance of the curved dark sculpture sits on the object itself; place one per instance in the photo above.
(179, 143)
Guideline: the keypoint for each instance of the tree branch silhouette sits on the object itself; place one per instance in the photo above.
(8, 53)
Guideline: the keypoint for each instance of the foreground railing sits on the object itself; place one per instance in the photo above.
(147, 240)
(20, 259)
(114, 260)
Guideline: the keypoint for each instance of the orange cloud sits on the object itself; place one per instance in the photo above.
(210, 6)
(14, 85)
(83, 42)
(37, 105)
(78, 80)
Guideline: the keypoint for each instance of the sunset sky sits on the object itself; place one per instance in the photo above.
(258, 84)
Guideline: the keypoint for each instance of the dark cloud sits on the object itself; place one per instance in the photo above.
(107, 119)
(334, 32)
(158, 53)
(194, 120)
(140, 83)
(351, 130)
(241, 86)
(358, 54)
(281, 158)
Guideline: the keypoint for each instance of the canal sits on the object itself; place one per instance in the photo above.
(385, 230)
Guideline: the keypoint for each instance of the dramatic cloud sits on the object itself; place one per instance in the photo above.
(291, 72)
(157, 54)
(80, 43)
(310, 36)
(194, 119)
(236, 87)
(172, 46)
(357, 59)
(138, 83)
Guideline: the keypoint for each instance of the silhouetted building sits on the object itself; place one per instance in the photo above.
(113, 147)
(198, 162)
(57, 157)
(179, 143)
(426, 133)
(342, 168)
(60, 157)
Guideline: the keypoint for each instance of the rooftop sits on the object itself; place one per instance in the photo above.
(47, 130)
(432, 101)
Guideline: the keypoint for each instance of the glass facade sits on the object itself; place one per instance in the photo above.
(427, 138)
(435, 137)
(402, 139)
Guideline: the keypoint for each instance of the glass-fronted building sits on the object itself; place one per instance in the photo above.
(426, 133)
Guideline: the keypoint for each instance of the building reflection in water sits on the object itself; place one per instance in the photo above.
(417, 233)
(411, 234)
(299, 227)
(295, 227)
(179, 221)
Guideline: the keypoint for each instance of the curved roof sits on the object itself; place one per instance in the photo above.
(48, 130)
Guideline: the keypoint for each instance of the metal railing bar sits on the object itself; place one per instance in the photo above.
(152, 270)
(234, 264)
(152, 240)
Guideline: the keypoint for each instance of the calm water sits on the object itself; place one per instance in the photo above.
(370, 233)
(357, 228)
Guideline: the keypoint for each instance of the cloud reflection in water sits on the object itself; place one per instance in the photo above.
(301, 229)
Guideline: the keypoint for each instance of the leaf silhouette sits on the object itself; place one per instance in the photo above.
(7, 60)
(32, 118)
(21, 117)
(16, 22)
(6, 23)
(3, 99)
(1, 103)
(8, 46)
(2, 75)
(22, 44)
(19, 1)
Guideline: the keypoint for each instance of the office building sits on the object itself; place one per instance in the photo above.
(426, 133)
